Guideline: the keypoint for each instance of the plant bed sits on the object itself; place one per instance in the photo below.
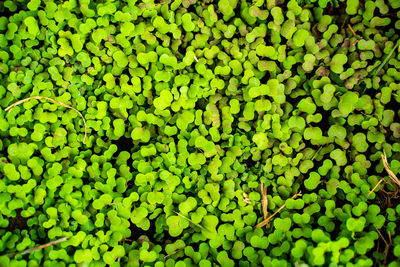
(199, 133)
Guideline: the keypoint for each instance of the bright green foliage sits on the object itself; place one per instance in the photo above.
(201, 118)
(261, 140)
(312, 181)
(347, 102)
(337, 63)
(164, 100)
(352, 7)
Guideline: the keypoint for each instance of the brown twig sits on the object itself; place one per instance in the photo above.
(266, 221)
(29, 250)
(354, 33)
(373, 189)
(352, 30)
(393, 182)
(387, 245)
(9, 108)
(344, 22)
(169, 255)
(384, 240)
(355, 42)
(264, 200)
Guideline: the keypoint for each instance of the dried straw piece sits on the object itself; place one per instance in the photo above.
(9, 108)
(173, 253)
(29, 250)
(354, 33)
(264, 200)
(377, 184)
(388, 170)
(266, 221)
(391, 174)
(246, 198)
(352, 30)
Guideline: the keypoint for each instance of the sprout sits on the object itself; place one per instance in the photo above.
(164, 100)
(32, 26)
(10, 172)
(355, 225)
(283, 224)
(190, 107)
(347, 102)
(187, 23)
(300, 36)
(261, 140)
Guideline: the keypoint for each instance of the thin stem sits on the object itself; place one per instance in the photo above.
(387, 58)
(198, 225)
(373, 189)
(173, 253)
(388, 170)
(384, 240)
(266, 221)
(9, 108)
(264, 200)
(352, 31)
(29, 250)
(316, 153)
(163, 2)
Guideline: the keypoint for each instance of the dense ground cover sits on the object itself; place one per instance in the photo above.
(199, 133)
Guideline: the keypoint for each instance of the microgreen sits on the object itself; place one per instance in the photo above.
(203, 121)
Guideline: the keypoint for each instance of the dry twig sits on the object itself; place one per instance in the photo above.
(266, 221)
(387, 245)
(391, 174)
(9, 108)
(264, 200)
(354, 33)
(29, 250)
(373, 189)
(352, 30)
(173, 253)
(384, 240)
(246, 198)
(388, 170)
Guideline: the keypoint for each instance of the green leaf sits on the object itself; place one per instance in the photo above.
(261, 140)
(347, 103)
